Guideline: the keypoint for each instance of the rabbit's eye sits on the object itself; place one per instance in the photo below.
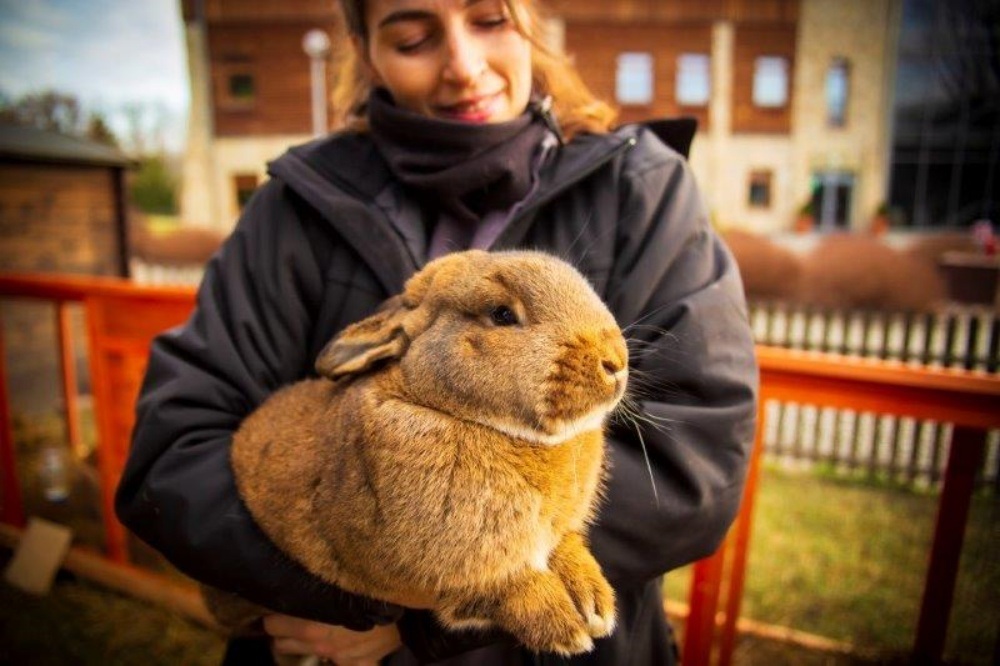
(502, 315)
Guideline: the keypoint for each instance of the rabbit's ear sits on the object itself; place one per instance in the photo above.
(360, 345)
(440, 275)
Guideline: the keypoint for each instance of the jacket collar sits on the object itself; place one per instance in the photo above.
(346, 169)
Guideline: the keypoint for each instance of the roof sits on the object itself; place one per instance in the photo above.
(36, 145)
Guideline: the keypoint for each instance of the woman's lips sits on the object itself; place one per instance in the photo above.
(475, 109)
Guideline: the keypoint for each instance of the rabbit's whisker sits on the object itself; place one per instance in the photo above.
(630, 415)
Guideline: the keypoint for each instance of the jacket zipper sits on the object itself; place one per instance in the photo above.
(543, 109)
(535, 205)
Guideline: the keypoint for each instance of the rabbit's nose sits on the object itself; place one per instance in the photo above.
(612, 366)
(614, 357)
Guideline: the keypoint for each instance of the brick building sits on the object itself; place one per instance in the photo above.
(793, 97)
(62, 204)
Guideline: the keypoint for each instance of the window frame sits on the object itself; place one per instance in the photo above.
(244, 185)
(649, 74)
(756, 177)
(781, 63)
(229, 101)
(837, 117)
(679, 78)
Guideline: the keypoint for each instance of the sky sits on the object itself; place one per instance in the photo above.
(109, 53)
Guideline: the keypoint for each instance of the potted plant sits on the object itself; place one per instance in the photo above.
(882, 220)
(805, 220)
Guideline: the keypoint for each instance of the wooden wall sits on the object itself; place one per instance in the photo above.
(273, 56)
(594, 48)
(677, 11)
(56, 218)
(752, 41)
(597, 31)
(263, 38)
(270, 10)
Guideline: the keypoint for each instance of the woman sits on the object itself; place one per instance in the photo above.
(452, 144)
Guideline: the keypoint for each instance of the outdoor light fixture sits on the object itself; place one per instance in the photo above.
(316, 44)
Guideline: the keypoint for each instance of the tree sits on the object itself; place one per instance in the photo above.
(154, 186)
(98, 130)
(48, 110)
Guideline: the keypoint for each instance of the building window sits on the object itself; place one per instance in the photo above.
(837, 85)
(833, 198)
(236, 86)
(634, 79)
(759, 194)
(244, 184)
(770, 82)
(694, 82)
(241, 87)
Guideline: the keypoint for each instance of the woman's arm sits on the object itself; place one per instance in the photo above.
(678, 469)
(249, 334)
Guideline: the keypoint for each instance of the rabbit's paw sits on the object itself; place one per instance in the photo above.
(593, 596)
(541, 613)
(535, 608)
(595, 601)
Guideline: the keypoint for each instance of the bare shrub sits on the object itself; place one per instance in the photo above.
(858, 271)
(184, 246)
(768, 270)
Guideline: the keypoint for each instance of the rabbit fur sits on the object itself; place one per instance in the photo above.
(450, 454)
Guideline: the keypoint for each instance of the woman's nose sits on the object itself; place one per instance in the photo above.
(466, 60)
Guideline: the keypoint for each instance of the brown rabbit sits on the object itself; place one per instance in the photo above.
(455, 459)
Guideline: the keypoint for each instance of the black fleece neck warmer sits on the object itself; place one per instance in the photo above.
(465, 169)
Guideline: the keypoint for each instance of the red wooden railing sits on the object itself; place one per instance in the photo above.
(122, 319)
(121, 322)
(971, 401)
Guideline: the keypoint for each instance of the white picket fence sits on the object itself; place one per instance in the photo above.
(896, 450)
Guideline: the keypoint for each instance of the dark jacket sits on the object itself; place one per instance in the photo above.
(312, 254)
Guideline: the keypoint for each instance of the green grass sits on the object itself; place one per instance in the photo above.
(847, 560)
(82, 624)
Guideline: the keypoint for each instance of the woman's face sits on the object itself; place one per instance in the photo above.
(461, 60)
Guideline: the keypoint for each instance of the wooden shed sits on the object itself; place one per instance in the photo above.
(62, 204)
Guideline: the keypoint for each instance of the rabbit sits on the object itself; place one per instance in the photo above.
(450, 454)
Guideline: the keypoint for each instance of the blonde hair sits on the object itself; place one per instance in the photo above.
(575, 108)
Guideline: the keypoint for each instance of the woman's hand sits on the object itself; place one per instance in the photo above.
(341, 646)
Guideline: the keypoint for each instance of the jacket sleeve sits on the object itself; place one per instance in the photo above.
(677, 469)
(249, 335)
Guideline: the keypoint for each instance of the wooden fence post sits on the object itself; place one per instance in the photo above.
(964, 460)
(12, 509)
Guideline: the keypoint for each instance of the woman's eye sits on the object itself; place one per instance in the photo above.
(503, 316)
(411, 45)
(492, 21)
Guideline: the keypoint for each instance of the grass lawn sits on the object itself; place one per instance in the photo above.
(847, 561)
(86, 625)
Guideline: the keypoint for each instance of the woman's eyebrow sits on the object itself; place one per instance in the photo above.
(416, 14)
(405, 15)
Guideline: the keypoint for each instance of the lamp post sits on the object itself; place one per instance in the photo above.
(316, 44)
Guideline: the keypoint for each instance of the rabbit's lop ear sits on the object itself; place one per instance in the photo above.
(361, 345)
